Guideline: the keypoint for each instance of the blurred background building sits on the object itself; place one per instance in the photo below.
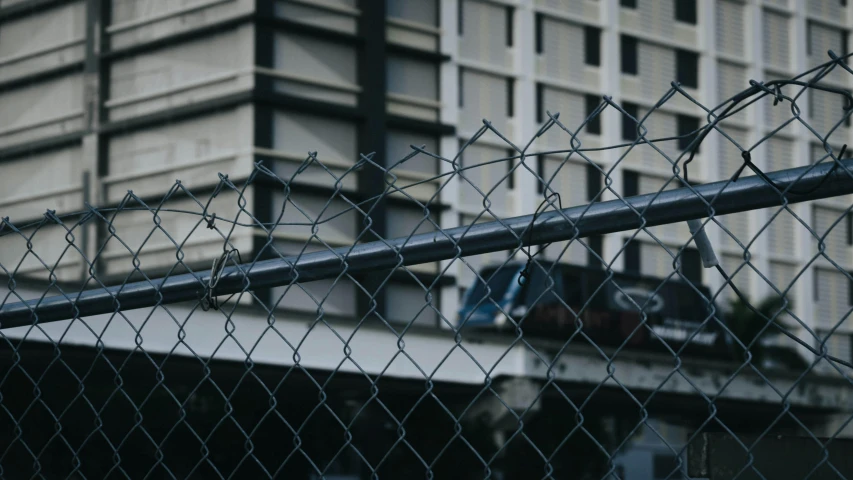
(98, 97)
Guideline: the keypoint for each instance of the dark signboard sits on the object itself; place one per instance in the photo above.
(614, 309)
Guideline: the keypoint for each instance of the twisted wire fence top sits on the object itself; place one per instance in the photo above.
(256, 333)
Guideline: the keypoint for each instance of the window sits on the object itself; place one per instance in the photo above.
(632, 256)
(592, 45)
(850, 229)
(540, 170)
(509, 23)
(816, 285)
(849, 337)
(808, 37)
(628, 47)
(628, 3)
(409, 76)
(687, 127)
(811, 103)
(420, 11)
(297, 133)
(691, 266)
(685, 11)
(594, 125)
(630, 183)
(819, 38)
(292, 53)
(849, 290)
(593, 182)
(510, 97)
(540, 97)
(596, 245)
(687, 68)
(819, 104)
(398, 146)
(539, 34)
(460, 87)
(510, 180)
(459, 10)
(629, 125)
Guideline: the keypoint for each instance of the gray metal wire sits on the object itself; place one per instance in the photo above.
(93, 388)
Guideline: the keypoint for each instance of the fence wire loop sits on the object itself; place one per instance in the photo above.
(210, 299)
(525, 272)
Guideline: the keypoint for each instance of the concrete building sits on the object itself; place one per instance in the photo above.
(98, 97)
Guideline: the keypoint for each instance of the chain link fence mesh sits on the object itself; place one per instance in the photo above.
(244, 331)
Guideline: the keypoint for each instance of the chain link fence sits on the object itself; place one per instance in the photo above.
(243, 331)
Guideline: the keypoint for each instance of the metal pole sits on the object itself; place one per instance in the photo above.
(671, 206)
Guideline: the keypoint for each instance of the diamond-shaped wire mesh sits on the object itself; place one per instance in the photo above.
(246, 331)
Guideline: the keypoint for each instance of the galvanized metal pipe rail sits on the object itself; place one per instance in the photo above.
(671, 206)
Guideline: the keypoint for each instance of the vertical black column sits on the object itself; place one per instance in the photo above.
(263, 129)
(96, 91)
(97, 69)
(92, 63)
(372, 71)
(264, 44)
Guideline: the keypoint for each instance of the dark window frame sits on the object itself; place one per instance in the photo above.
(510, 181)
(510, 97)
(592, 45)
(850, 337)
(849, 228)
(538, 27)
(629, 126)
(460, 87)
(629, 62)
(594, 124)
(808, 37)
(849, 290)
(687, 68)
(540, 171)
(510, 28)
(682, 129)
(816, 285)
(810, 111)
(594, 182)
(540, 97)
(686, 12)
(459, 18)
(630, 183)
(628, 4)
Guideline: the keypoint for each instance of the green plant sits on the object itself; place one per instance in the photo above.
(747, 322)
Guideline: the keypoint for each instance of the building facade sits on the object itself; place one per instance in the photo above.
(98, 97)
(102, 97)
